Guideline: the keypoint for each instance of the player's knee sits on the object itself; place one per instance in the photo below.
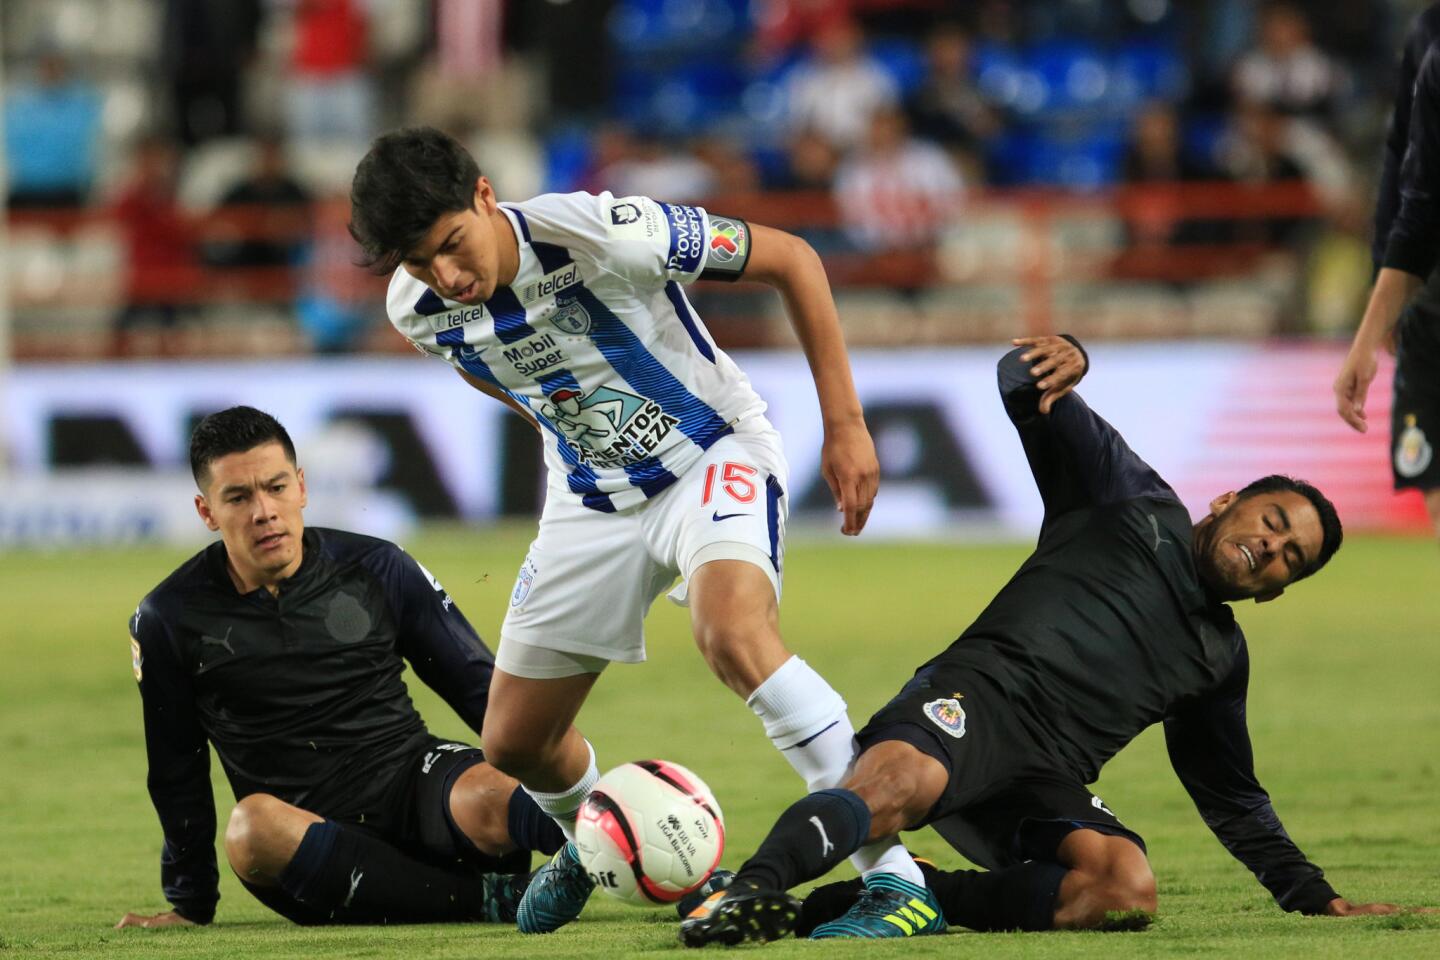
(250, 831)
(1132, 888)
(1122, 897)
(892, 794)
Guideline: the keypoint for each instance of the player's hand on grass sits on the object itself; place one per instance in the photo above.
(153, 921)
(1340, 907)
(1057, 366)
(1353, 384)
(849, 466)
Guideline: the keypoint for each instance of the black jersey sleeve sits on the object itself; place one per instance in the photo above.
(443, 649)
(1412, 243)
(1210, 749)
(1078, 459)
(178, 754)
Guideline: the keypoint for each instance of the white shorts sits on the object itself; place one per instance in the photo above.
(590, 577)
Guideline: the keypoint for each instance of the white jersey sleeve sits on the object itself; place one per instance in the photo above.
(645, 241)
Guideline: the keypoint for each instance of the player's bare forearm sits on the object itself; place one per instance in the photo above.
(1393, 289)
(491, 391)
(794, 269)
(848, 461)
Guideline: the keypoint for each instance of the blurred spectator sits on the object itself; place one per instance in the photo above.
(810, 163)
(206, 46)
(896, 192)
(1156, 156)
(470, 79)
(1264, 146)
(337, 305)
(331, 94)
(1286, 71)
(644, 165)
(837, 91)
(948, 107)
(731, 170)
(52, 130)
(162, 266)
(273, 219)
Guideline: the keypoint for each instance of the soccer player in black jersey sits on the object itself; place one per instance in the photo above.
(282, 647)
(1405, 249)
(1118, 620)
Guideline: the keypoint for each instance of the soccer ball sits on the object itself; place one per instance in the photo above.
(650, 832)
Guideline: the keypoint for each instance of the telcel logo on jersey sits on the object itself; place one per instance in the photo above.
(687, 239)
(566, 276)
(456, 318)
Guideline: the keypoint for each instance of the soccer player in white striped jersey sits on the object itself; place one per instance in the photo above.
(570, 309)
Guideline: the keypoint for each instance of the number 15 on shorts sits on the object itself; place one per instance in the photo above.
(735, 479)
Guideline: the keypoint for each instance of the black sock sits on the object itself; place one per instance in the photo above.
(809, 840)
(1016, 898)
(530, 827)
(351, 877)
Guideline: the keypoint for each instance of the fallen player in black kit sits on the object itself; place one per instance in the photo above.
(1117, 621)
(282, 647)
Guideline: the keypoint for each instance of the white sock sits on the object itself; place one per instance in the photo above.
(887, 855)
(805, 718)
(563, 807)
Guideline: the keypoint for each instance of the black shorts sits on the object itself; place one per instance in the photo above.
(1415, 410)
(413, 814)
(1008, 799)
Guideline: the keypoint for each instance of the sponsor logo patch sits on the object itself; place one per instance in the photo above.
(456, 318)
(1413, 452)
(635, 218)
(729, 240)
(948, 715)
(686, 238)
(608, 428)
(137, 659)
(536, 355)
(553, 282)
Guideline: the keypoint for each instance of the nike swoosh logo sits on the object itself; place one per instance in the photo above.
(717, 515)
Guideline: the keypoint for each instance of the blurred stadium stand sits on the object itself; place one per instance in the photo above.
(1046, 236)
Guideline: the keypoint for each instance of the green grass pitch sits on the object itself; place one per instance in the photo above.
(1344, 713)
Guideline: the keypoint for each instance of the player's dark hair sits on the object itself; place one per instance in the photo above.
(409, 179)
(233, 431)
(1329, 519)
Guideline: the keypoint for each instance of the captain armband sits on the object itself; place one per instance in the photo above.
(728, 249)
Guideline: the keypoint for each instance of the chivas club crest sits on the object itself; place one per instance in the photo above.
(948, 715)
(1413, 452)
(571, 317)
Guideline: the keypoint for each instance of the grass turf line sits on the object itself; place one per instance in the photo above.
(1344, 714)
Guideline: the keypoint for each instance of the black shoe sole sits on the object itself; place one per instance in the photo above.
(757, 917)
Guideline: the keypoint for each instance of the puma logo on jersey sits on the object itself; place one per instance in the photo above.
(219, 641)
(1155, 526)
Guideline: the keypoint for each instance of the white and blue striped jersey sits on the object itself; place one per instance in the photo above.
(596, 339)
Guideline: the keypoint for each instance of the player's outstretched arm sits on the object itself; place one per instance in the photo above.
(1393, 289)
(847, 459)
(1057, 364)
(154, 921)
